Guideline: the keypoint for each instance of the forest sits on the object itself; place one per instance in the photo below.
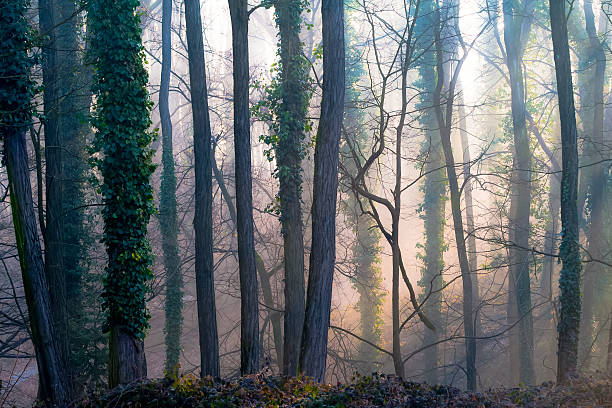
(305, 203)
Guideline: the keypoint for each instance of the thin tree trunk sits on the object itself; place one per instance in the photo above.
(609, 359)
(322, 259)
(444, 122)
(264, 277)
(569, 252)
(469, 207)
(596, 187)
(167, 207)
(290, 150)
(204, 271)
(53, 177)
(249, 308)
(15, 82)
(520, 196)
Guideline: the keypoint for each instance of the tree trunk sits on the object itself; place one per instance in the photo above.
(264, 276)
(289, 152)
(15, 83)
(74, 94)
(325, 187)
(609, 359)
(249, 308)
(520, 190)
(205, 285)
(444, 123)
(569, 252)
(127, 361)
(53, 239)
(596, 188)
(469, 208)
(167, 207)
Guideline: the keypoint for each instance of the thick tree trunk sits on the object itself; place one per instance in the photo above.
(53, 236)
(249, 309)
(520, 192)
(204, 271)
(289, 156)
(322, 259)
(569, 281)
(127, 361)
(167, 206)
(596, 188)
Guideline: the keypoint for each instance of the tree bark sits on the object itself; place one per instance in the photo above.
(516, 29)
(127, 361)
(595, 186)
(569, 252)
(469, 208)
(289, 156)
(444, 123)
(325, 187)
(205, 285)
(15, 118)
(168, 208)
(249, 309)
(53, 237)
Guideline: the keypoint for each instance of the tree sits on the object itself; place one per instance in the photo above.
(205, 284)
(16, 91)
(517, 25)
(596, 181)
(445, 120)
(53, 228)
(289, 128)
(434, 189)
(325, 187)
(122, 119)
(249, 310)
(569, 252)
(85, 361)
(167, 206)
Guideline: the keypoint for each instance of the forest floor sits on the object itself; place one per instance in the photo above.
(378, 390)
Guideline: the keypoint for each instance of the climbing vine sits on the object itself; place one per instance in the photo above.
(16, 88)
(123, 157)
(286, 98)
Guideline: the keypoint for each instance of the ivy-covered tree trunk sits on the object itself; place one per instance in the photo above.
(367, 279)
(16, 91)
(167, 207)
(434, 200)
(290, 148)
(597, 180)
(517, 23)
(53, 229)
(569, 252)
(313, 354)
(122, 120)
(204, 268)
(445, 120)
(73, 106)
(249, 309)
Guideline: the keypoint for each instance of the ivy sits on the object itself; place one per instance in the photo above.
(16, 87)
(123, 156)
(285, 103)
